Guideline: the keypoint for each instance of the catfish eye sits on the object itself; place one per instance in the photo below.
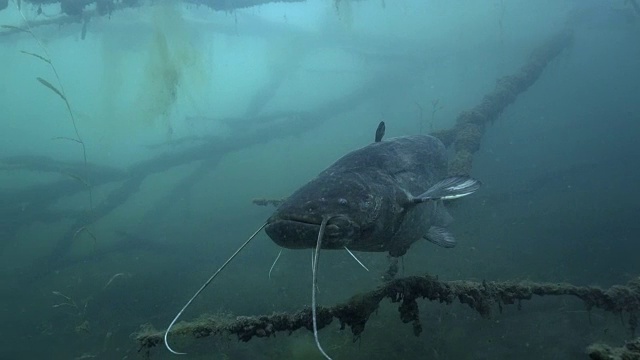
(343, 201)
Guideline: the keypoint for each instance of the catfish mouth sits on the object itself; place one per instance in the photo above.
(298, 219)
(293, 232)
(301, 232)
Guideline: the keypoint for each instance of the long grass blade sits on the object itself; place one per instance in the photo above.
(78, 178)
(16, 28)
(53, 88)
(66, 138)
(37, 56)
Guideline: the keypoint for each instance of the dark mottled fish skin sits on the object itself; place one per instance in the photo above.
(380, 131)
(367, 192)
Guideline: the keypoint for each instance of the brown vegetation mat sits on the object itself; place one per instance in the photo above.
(482, 297)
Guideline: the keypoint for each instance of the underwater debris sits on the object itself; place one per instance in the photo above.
(115, 277)
(482, 297)
(629, 351)
(69, 301)
(83, 328)
(79, 11)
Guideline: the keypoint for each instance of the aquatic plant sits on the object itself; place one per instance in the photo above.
(58, 90)
(435, 107)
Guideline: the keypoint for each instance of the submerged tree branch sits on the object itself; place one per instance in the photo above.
(466, 135)
(482, 297)
(470, 125)
(78, 11)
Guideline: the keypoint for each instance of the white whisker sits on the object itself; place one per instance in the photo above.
(166, 333)
(314, 266)
(274, 263)
(354, 256)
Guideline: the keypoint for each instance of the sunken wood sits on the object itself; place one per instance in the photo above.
(483, 297)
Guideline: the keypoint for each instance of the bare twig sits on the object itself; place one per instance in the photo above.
(68, 302)
(115, 277)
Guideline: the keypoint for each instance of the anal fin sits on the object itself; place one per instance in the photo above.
(441, 237)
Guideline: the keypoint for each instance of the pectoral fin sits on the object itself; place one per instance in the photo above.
(448, 189)
(441, 237)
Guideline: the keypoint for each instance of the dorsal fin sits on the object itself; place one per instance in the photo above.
(380, 131)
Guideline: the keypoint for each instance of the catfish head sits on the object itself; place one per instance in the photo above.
(344, 199)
